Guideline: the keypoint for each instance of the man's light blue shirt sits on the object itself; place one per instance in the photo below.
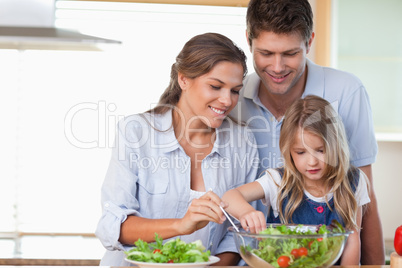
(149, 176)
(343, 90)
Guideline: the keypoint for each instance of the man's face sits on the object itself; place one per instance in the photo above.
(280, 61)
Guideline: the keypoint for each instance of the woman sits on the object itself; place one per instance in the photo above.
(165, 159)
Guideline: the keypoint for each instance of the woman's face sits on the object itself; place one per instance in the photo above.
(206, 100)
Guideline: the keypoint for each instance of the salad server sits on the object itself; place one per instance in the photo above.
(249, 257)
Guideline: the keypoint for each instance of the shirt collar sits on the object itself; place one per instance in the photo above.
(314, 83)
(252, 84)
(164, 124)
(315, 80)
(223, 135)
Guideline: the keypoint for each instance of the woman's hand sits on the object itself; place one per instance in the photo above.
(253, 220)
(201, 212)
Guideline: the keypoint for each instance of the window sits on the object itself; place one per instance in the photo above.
(59, 110)
(369, 45)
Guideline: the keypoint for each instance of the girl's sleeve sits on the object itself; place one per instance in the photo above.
(362, 191)
(264, 182)
(270, 182)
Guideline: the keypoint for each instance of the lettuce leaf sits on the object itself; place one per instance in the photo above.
(174, 250)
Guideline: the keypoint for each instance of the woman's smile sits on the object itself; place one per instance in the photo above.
(218, 111)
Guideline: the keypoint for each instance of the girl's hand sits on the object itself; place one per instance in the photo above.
(201, 212)
(254, 221)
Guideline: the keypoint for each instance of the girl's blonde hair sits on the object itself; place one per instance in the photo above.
(316, 116)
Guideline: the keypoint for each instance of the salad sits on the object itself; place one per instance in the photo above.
(173, 251)
(312, 249)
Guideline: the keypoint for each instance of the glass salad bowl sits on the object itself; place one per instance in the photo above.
(291, 245)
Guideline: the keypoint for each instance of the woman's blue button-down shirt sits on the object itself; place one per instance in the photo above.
(149, 176)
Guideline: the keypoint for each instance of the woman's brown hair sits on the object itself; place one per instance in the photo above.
(198, 56)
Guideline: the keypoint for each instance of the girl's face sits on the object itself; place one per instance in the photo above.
(208, 99)
(308, 153)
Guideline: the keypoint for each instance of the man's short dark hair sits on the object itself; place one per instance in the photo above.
(280, 17)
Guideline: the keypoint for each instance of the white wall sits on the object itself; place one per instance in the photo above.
(388, 186)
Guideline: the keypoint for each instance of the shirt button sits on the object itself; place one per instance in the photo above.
(106, 205)
(320, 209)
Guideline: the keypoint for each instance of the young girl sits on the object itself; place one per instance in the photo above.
(316, 184)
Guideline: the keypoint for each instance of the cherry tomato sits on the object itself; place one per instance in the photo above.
(156, 250)
(295, 253)
(319, 239)
(398, 240)
(170, 261)
(309, 244)
(283, 261)
(302, 252)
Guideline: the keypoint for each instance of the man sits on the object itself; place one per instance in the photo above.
(280, 34)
